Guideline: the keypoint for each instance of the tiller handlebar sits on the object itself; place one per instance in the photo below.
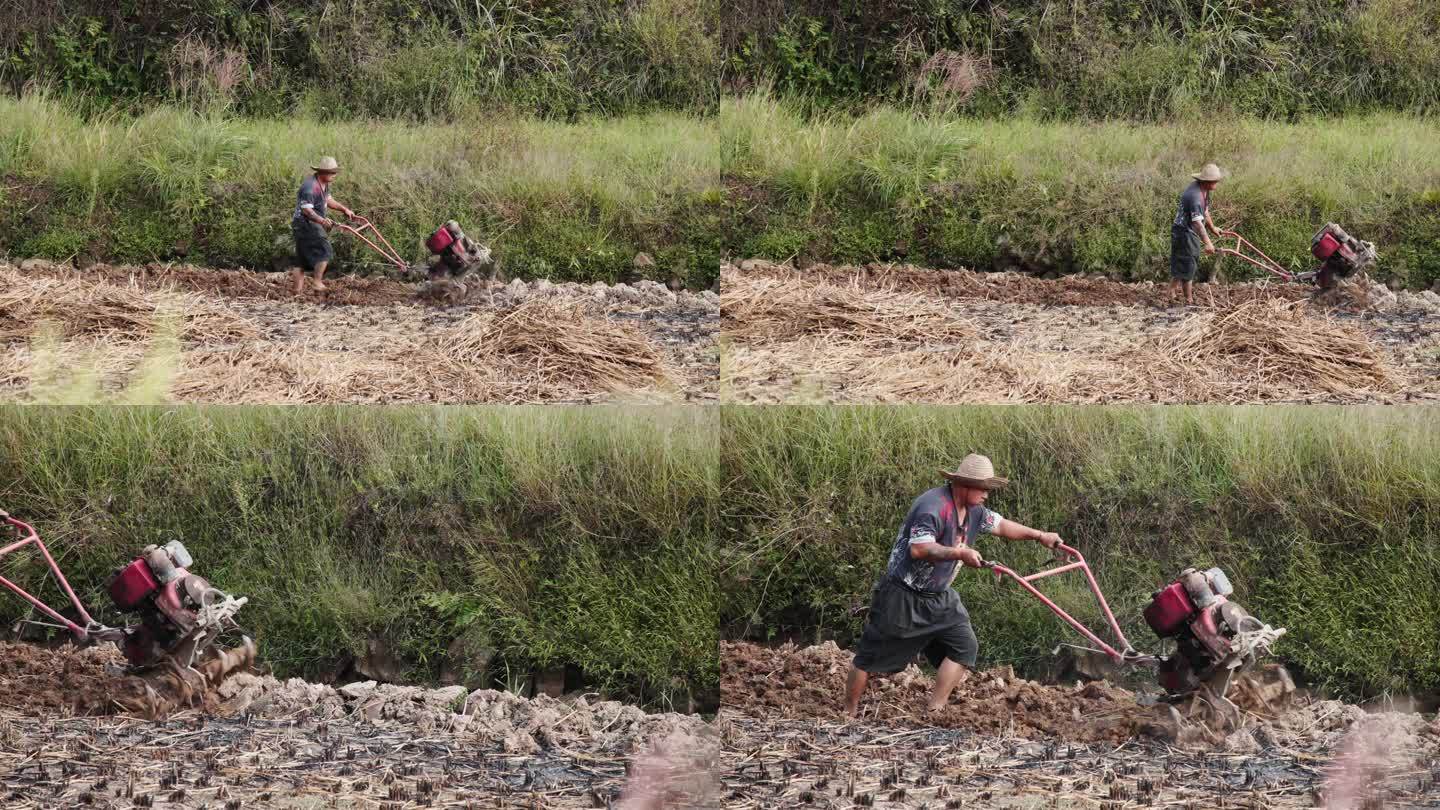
(1125, 654)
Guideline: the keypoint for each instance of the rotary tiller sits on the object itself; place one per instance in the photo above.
(1340, 254)
(453, 256)
(1218, 643)
(179, 616)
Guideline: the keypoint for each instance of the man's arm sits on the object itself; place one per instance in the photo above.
(1198, 226)
(331, 202)
(1211, 223)
(1010, 530)
(308, 211)
(935, 552)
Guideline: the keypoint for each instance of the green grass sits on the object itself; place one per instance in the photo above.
(556, 200)
(1138, 60)
(557, 536)
(1324, 518)
(415, 59)
(1095, 197)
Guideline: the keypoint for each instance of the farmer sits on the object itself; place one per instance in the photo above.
(1191, 230)
(913, 608)
(311, 226)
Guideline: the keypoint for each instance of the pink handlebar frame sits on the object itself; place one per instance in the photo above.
(28, 536)
(1125, 654)
(1243, 248)
(390, 254)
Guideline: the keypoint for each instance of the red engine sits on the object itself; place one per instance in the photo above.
(177, 609)
(1210, 631)
(1341, 255)
(457, 254)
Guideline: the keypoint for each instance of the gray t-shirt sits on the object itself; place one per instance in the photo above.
(1194, 204)
(935, 517)
(310, 196)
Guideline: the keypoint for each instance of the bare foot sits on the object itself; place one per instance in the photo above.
(319, 286)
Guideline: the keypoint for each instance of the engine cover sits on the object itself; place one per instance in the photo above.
(132, 585)
(1341, 255)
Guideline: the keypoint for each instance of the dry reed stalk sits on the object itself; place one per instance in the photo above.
(540, 351)
(1272, 344)
(861, 371)
(756, 307)
(267, 373)
(545, 344)
(112, 310)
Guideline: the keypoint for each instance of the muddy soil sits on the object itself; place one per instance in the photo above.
(305, 347)
(1007, 742)
(64, 738)
(1075, 339)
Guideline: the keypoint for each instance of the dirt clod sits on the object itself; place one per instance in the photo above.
(66, 706)
(1009, 742)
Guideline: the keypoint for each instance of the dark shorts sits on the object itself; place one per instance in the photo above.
(905, 623)
(312, 246)
(1185, 249)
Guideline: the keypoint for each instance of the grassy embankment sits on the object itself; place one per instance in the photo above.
(934, 189)
(571, 201)
(1324, 518)
(554, 536)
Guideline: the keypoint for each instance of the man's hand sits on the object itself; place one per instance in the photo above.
(1049, 540)
(970, 557)
(1209, 248)
(327, 223)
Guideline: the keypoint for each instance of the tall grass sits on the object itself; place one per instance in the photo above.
(556, 200)
(413, 59)
(579, 536)
(1139, 60)
(1094, 197)
(1325, 519)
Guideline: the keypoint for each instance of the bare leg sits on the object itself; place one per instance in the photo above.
(1189, 292)
(320, 275)
(297, 280)
(949, 676)
(1174, 290)
(854, 688)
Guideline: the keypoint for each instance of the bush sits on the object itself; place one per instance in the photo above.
(1142, 60)
(415, 59)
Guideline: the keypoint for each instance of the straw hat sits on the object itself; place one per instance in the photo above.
(1210, 174)
(326, 164)
(976, 471)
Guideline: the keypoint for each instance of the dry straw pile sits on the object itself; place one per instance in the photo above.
(55, 327)
(540, 351)
(878, 336)
(107, 311)
(757, 308)
(1274, 350)
(847, 337)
